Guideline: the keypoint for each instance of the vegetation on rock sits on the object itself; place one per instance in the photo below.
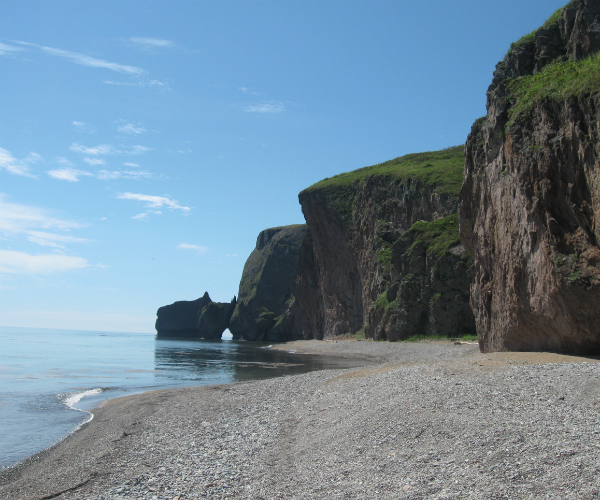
(442, 169)
(557, 81)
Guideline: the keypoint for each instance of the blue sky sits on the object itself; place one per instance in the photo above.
(145, 144)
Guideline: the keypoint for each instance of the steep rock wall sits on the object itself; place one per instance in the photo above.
(530, 203)
(265, 308)
(354, 220)
(429, 295)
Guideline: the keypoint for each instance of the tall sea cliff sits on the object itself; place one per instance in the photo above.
(368, 272)
(530, 202)
(498, 237)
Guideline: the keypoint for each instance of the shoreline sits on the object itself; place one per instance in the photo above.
(397, 427)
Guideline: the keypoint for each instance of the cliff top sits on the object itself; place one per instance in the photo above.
(551, 23)
(442, 168)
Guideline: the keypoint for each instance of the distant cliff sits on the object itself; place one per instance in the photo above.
(265, 309)
(353, 273)
(201, 318)
(530, 203)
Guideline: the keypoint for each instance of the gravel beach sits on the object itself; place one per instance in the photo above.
(432, 420)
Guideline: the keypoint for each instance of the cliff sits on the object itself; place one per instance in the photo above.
(265, 309)
(201, 318)
(530, 203)
(356, 221)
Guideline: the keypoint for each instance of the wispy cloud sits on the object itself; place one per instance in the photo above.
(133, 165)
(148, 42)
(13, 262)
(141, 83)
(84, 127)
(68, 174)
(73, 175)
(52, 240)
(34, 225)
(17, 167)
(86, 60)
(15, 218)
(130, 128)
(6, 50)
(187, 246)
(107, 149)
(61, 160)
(102, 149)
(94, 161)
(246, 90)
(270, 107)
(152, 203)
(125, 174)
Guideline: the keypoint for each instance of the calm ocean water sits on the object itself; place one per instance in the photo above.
(49, 378)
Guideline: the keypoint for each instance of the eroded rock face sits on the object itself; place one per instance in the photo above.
(201, 318)
(429, 294)
(530, 202)
(265, 308)
(353, 227)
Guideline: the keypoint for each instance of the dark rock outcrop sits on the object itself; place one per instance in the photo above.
(356, 221)
(530, 203)
(265, 309)
(201, 318)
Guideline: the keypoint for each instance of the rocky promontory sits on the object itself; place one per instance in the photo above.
(201, 318)
(265, 309)
(530, 203)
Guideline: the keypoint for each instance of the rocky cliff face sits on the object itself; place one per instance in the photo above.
(429, 295)
(201, 318)
(356, 220)
(265, 309)
(530, 203)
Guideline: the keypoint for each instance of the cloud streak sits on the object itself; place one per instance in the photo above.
(73, 175)
(15, 218)
(17, 167)
(271, 107)
(35, 224)
(9, 49)
(148, 42)
(13, 262)
(152, 203)
(107, 149)
(140, 83)
(86, 60)
(187, 246)
(130, 128)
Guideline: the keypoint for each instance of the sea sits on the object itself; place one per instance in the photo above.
(50, 379)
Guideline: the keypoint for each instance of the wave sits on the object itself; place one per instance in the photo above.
(72, 398)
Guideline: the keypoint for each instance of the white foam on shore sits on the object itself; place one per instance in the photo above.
(70, 400)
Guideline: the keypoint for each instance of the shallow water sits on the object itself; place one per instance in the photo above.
(49, 378)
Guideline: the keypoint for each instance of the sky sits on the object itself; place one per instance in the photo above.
(145, 144)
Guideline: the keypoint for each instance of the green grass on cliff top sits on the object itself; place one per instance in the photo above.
(530, 37)
(558, 81)
(442, 169)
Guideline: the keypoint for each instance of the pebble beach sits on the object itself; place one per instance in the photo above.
(431, 420)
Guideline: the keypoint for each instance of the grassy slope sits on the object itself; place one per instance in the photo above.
(442, 168)
(558, 81)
